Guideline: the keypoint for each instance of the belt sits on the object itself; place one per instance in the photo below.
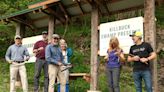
(19, 61)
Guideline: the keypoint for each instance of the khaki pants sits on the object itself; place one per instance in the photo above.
(54, 72)
(14, 69)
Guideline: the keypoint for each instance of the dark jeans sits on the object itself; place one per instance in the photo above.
(146, 76)
(113, 75)
(39, 64)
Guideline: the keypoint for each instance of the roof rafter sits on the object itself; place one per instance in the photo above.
(79, 5)
(30, 21)
(62, 7)
(16, 19)
(99, 10)
(105, 6)
(62, 20)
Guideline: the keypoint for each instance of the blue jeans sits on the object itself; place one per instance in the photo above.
(146, 76)
(113, 75)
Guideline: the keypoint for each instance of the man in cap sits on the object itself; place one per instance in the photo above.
(141, 53)
(55, 58)
(39, 50)
(16, 55)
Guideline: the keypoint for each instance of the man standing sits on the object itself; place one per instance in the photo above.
(15, 56)
(54, 57)
(39, 50)
(141, 54)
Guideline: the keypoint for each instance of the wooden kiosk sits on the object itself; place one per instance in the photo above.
(49, 13)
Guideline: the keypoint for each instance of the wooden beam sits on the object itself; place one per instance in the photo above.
(19, 20)
(105, 6)
(99, 10)
(62, 20)
(51, 26)
(30, 21)
(42, 3)
(94, 48)
(62, 7)
(150, 35)
(79, 5)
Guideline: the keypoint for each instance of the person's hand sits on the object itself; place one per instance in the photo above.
(60, 64)
(106, 58)
(41, 48)
(136, 58)
(27, 58)
(144, 60)
(10, 62)
(117, 53)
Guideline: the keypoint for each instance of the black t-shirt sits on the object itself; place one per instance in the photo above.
(143, 51)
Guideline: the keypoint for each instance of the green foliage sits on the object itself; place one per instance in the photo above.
(10, 6)
(160, 16)
(6, 38)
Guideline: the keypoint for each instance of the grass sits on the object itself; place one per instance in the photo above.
(78, 85)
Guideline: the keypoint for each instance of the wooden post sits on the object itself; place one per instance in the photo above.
(150, 35)
(51, 27)
(94, 47)
(20, 30)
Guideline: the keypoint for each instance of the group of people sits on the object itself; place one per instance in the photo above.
(141, 54)
(53, 57)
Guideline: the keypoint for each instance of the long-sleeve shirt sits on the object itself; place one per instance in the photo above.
(41, 53)
(67, 55)
(16, 53)
(53, 54)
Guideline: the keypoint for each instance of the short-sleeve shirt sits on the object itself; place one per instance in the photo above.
(41, 53)
(143, 51)
(113, 59)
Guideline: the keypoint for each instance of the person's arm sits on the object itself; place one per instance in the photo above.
(8, 55)
(69, 52)
(49, 56)
(131, 57)
(151, 56)
(106, 56)
(35, 49)
(122, 57)
(26, 54)
(60, 57)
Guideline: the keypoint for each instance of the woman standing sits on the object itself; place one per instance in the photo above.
(67, 53)
(114, 57)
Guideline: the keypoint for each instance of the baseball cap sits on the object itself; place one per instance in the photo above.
(55, 36)
(44, 32)
(136, 33)
(18, 36)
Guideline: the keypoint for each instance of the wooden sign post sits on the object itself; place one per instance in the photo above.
(94, 48)
(150, 35)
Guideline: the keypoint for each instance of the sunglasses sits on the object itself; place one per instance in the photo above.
(18, 38)
(56, 38)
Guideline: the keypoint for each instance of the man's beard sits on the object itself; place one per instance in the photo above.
(55, 43)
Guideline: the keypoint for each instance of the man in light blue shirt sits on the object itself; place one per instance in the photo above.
(16, 55)
(55, 58)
